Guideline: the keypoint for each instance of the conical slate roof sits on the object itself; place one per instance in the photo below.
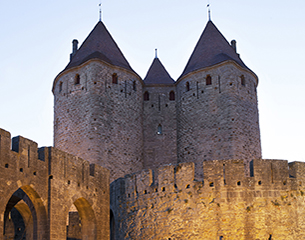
(99, 44)
(157, 74)
(211, 49)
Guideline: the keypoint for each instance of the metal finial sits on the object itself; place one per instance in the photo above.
(209, 10)
(100, 5)
(156, 53)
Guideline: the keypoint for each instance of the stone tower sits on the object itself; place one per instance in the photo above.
(106, 114)
(98, 106)
(159, 125)
(217, 115)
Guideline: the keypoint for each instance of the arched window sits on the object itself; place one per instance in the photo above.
(146, 96)
(77, 79)
(134, 86)
(60, 86)
(159, 132)
(172, 96)
(187, 86)
(242, 80)
(114, 78)
(208, 80)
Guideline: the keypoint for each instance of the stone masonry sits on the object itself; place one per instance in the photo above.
(220, 120)
(42, 185)
(170, 204)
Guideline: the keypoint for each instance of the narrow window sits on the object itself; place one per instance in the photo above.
(221, 238)
(114, 78)
(224, 174)
(146, 96)
(251, 169)
(172, 96)
(125, 88)
(92, 169)
(242, 80)
(187, 86)
(270, 237)
(77, 79)
(271, 173)
(134, 86)
(159, 132)
(29, 156)
(208, 80)
(60, 86)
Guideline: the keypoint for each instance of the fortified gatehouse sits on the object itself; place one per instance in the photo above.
(151, 158)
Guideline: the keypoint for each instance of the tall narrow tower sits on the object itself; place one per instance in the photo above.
(159, 113)
(217, 114)
(98, 106)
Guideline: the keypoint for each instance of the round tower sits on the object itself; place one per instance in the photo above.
(98, 106)
(217, 114)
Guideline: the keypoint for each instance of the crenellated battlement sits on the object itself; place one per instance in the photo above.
(22, 156)
(219, 175)
(47, 182)
(170, 203)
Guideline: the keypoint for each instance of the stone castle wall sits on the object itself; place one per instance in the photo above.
(169, 204)
(43, 184)
(98, 120)
(159, 114)
(218, 121)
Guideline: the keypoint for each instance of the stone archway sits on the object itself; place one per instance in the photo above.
(86, 217)
(29, 215)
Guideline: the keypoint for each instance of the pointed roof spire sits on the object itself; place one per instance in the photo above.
(211, 49)
(157, 74)
(99, 44)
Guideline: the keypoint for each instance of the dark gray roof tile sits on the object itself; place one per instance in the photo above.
(211, 49)
(99, 44)
(157, 74)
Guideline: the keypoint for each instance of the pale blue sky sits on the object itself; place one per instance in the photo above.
(36, 38)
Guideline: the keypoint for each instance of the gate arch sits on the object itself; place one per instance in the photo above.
(88, 219)
(27, 202)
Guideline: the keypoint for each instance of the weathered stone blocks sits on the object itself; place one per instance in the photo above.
(42, 185)
(225, 203)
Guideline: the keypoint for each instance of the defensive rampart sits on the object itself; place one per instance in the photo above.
(43, 184)
(170, 204)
